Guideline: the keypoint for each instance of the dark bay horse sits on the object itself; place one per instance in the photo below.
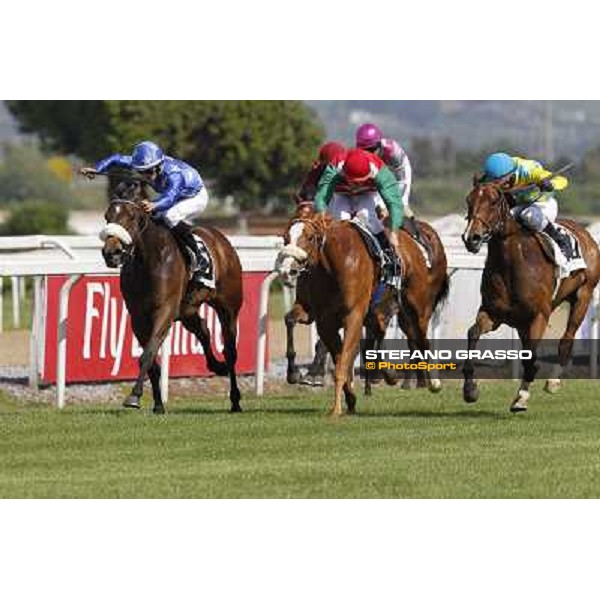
(342, 278)
(154, 282)
(518, 286)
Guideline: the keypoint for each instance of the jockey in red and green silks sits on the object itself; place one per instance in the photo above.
(330, 154)
(537, 208)
(352, 188)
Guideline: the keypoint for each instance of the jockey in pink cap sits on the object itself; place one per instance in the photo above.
(370, 138)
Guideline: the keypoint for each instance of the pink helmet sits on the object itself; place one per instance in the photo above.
(368, 135)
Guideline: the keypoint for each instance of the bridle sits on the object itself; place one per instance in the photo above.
(128, 248)
(497, 223)
(302, 257)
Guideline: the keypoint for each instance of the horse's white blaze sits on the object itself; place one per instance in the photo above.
(295, 232)
(116, 230)
(468, 230)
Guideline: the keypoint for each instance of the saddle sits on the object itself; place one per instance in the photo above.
(564, 267)
(376, 252)
(208, 277)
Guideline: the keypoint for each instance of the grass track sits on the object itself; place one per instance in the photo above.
(400, 445)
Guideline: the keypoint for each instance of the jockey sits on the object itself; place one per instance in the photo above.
(370, 138)
(331, 153)
(354, 186)
(536, 206)
(182, 193)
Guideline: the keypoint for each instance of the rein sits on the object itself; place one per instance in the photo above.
(112, 229)
(502, 211)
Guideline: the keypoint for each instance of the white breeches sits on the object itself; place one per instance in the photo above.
(536, 215)
(343, 208)
(186, 209)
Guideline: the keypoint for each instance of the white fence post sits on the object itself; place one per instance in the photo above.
(594, 334)
(61, 353)
(1, 304)
(36, 337)
(261, 345)
(16, 302)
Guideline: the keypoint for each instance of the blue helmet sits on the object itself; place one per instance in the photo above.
(146, 155)
(499, 165)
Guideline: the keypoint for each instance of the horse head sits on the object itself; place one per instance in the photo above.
(125, 221)
(129, 189)
(303, 239)
(487, 211)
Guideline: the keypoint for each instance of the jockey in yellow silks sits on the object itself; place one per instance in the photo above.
(535, 207)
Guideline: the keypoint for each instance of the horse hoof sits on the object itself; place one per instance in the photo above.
(318, 380)
(351, 406)
(236, 408)
(470, 392)
(293, 377)
(406, 384)
(435, 386)
(520, 402)
(132, 402)
(552, 386)
(159, 410)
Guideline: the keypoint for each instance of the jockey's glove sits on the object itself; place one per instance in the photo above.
(546, 185)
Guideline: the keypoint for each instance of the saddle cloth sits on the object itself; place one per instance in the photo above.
(564, 267)
(374, 247)
(424, 253)
(208, 277)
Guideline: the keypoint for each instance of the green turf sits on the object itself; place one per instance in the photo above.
(400, 445)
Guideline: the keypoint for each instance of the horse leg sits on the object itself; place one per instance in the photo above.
(483, 324)
(293, 372)
(328, 330)
(530, 338)
(154, 375)
(343, 377)
(418, 326)
(316, 371)
(579, 303)
(197, 325)
(160, 328)
(229, 327)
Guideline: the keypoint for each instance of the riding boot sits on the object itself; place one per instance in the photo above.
(183, 234)
(392, 267)
(561, 239)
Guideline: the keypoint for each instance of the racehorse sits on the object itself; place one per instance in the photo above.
(343, 277)
(518, 286)
(154, 284)
(301, 313)
(423, 290)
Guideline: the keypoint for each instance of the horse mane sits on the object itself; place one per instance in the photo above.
(129, 189)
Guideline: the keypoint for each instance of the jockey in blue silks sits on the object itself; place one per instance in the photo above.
(181, 192)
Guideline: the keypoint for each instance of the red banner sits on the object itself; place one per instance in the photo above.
(101, 345)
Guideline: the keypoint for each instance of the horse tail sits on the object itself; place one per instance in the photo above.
(442, 295)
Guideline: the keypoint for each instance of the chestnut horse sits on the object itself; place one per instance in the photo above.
(154, 282)
(518, 287)
(342, 278)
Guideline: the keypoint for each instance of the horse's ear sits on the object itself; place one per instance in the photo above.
(477, 178)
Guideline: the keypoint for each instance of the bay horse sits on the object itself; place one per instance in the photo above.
(518, 286)
(343, 277)
(154, 283)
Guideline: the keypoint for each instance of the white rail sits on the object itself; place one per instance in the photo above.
(40, 256)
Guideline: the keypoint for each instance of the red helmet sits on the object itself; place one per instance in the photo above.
(357, 167)
(331, 153)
